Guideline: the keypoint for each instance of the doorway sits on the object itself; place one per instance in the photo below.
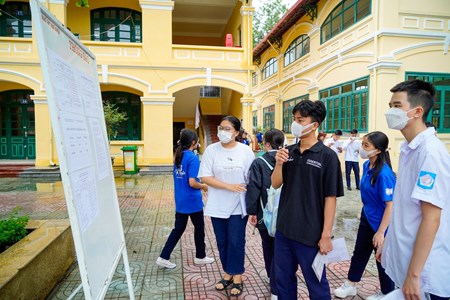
(17, 125)
(176, 130)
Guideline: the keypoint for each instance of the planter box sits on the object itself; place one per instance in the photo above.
(33, 266)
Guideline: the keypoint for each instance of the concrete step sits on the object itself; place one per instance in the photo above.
(41, 172)
(156, 170)
(13, 170)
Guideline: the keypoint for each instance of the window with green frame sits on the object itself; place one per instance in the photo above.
(116, 25)
(440, 113)
(347, 106)
(269, 117)
(131, 104)
(255, 119)
(288, 105)
(270, 68)
(15, 21)
(298, 48)
(344, 15)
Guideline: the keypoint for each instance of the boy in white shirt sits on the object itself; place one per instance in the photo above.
(351, 148)
(334, 142)
(416, 252)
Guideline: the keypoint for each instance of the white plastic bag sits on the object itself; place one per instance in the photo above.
(270, 211)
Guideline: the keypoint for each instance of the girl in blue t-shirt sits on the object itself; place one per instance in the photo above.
(188, 200)
(377, 191)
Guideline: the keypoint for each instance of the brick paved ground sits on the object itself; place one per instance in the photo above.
(147, 209)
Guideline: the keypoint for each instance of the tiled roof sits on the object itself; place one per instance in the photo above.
(294, 14)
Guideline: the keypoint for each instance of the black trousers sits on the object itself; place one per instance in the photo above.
(180, 226)
(363, 249)
(349, 165)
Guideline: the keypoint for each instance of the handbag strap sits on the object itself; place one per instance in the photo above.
(269, 165)
(271, 169)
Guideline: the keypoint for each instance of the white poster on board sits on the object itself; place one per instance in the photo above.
(85, 195)
(76, 141)
(101, 154)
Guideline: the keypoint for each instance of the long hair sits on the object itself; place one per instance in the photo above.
(381, 142)
(185, 142)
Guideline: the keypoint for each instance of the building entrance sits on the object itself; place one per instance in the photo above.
(17, 125)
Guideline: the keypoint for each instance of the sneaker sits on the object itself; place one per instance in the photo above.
(380, 295)
(349, 188)
(357, 188)
(203, 261)
(345, 290)
(273, 297)
(165, 263)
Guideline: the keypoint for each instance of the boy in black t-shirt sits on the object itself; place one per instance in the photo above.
(311, 176)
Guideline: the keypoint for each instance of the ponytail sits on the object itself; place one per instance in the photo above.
(381, 142)
(187, 136)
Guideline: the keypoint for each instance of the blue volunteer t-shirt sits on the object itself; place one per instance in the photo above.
(374, 197)
(187, 199)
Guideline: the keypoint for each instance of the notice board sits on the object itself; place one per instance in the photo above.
(74, 100)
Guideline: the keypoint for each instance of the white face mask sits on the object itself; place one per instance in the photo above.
(397, 118)
(224, 136)
(366, 154)
(297, 129)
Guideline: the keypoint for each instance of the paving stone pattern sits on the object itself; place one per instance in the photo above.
(147, 209)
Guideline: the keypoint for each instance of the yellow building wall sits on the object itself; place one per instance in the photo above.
(211, 106)
(234, 26)
(235, 108)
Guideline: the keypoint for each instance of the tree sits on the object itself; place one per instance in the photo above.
(266, 17)
(113, 117)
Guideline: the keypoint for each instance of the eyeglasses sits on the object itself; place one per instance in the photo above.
(227, 129)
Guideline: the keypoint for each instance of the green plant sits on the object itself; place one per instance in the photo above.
(82, 3)
(113, 117)
(12, 229)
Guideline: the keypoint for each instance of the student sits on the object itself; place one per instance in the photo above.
(188, 201)
(224, 168)
(416, 253)
(334, 142)
(259, 182)
(311, 176)
(351, 148)
(377, 185)
(245, 138)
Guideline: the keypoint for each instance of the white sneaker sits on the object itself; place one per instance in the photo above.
(345, 290)
(380, 295)
(203, 261)
(165, 263)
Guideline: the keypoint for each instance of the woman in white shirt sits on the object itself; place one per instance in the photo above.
(224, 168)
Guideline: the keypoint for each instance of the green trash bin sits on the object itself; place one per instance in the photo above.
(129, 159)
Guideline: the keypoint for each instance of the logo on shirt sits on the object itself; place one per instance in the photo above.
(179, 173)
(314, 163)
(389, 191)
(426, 180)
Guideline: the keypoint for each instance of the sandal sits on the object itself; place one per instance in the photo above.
(224, 282)
(237, 286)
